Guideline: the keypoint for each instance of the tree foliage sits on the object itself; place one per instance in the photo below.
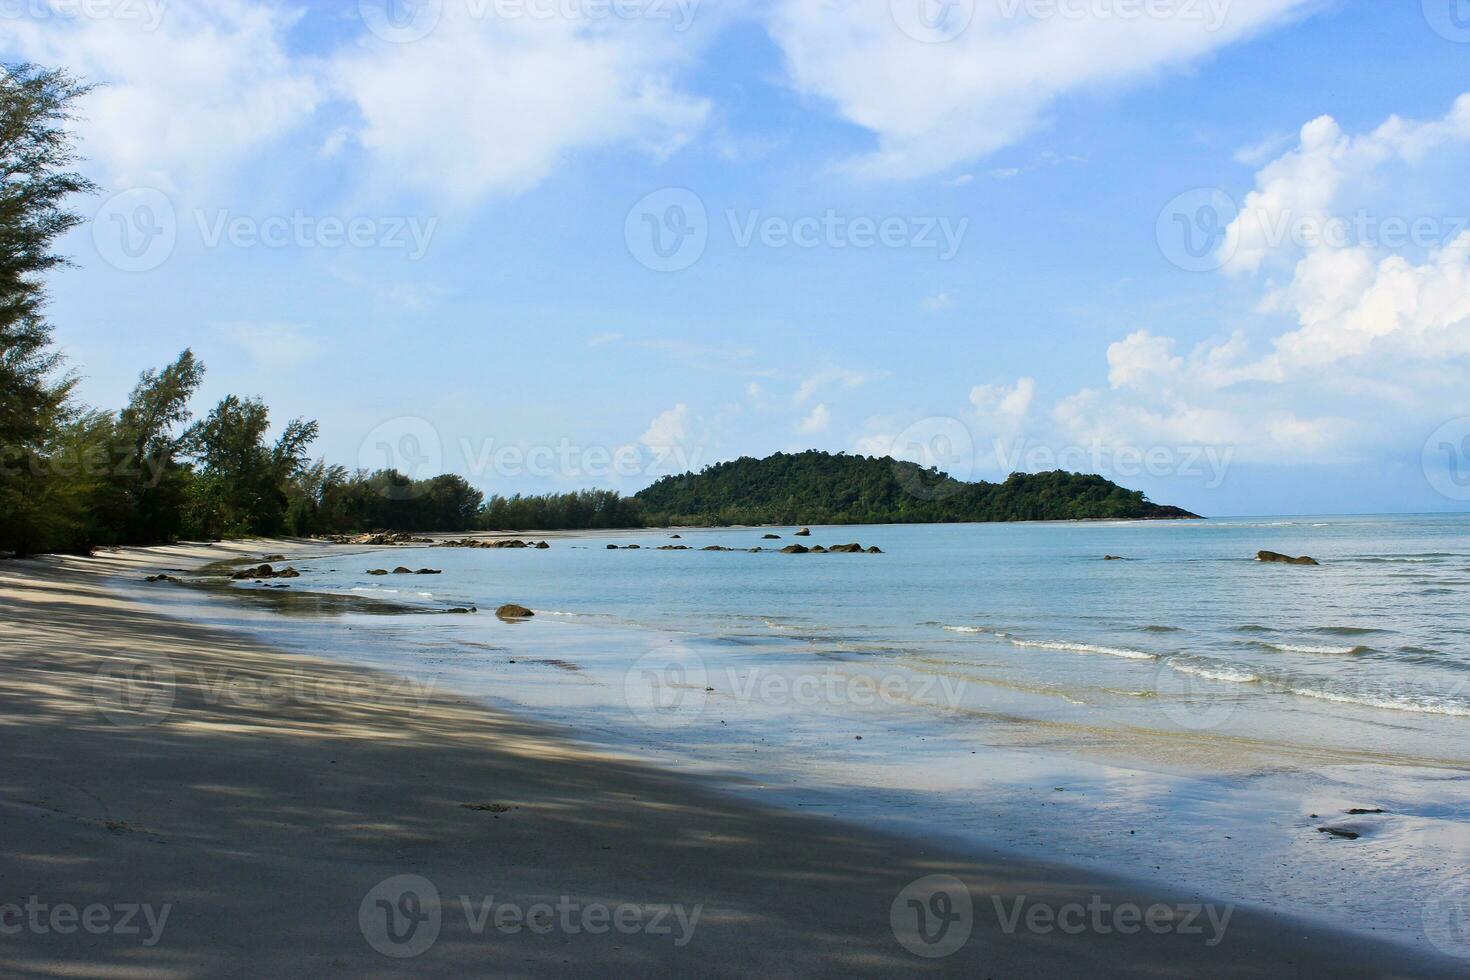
(822, 488)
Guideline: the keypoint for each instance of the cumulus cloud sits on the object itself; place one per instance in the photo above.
(818, 420)
(1375, 318)
(668, 429)
(937, 97)
(486, 105)
(181, 98)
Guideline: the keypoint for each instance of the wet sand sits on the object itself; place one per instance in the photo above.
(263, 798)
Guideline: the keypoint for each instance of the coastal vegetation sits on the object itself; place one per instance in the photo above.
(825, 488)
(74, 477)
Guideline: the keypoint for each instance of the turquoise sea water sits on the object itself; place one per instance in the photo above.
(1187, 713)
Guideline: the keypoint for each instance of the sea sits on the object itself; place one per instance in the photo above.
(1180, 714)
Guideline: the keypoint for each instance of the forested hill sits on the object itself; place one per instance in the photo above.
(821, 488)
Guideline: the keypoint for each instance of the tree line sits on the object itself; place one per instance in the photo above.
(74, 477)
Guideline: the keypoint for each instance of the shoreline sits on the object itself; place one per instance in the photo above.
(286, 811)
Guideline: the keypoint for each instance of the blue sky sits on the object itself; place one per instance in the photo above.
(961, 243)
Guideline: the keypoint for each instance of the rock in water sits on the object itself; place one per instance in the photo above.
(512, 611)
(804, 533)
(1272, 556)
(770, 537)
(795, 549)
(377, 571)
(1112, 558)
(400, 570)
(846, 549)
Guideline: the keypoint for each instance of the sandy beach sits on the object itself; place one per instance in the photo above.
(242, 811)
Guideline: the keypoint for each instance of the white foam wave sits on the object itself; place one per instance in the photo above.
(1216, 672)
(1311, 648)
(1082, 648)
(1422, 705)
(966, 629)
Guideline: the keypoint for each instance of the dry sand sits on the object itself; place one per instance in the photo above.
(262, 796)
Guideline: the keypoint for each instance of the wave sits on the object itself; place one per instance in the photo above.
(967, 629)
(1346, 630)
(1154, 628)
(1123, 652)
(1216, 672)
(1390, 702)
(1314, 648)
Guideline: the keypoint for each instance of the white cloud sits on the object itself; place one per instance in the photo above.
(827, 378)
(1006, 402)
(668, 429)
(818, 420)
(180, 101)
(486, 105)
(936, 303)
(1379, 324)
(931, 106)
(274, 346)
(603, 339)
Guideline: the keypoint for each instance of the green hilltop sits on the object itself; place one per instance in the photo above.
(823, 488)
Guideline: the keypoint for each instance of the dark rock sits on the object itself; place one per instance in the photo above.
(875, 550)
(1359, 811)
(795, 549)
(461, 610)
(846, 549)
(673, 536)
(1339, 832)
(429, 571)
(400, 570)
(612, 547)
(817, 549)
(1111, 558)
(512, 611)
(377, 571)
(1272, 556)
(265, 571)
(716, 547)
(673, 547)
(542, 546)
(164, 578)
(804, 532)
(770, 537)
(274, 558)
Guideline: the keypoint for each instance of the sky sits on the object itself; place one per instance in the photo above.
(1216, 250)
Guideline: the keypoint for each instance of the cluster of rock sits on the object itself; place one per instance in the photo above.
(400, 570)
(626, 547)
(836, 549)
(164, 578)
(499, 543)
(265, 571)
(378, 538)
(1272, 556)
